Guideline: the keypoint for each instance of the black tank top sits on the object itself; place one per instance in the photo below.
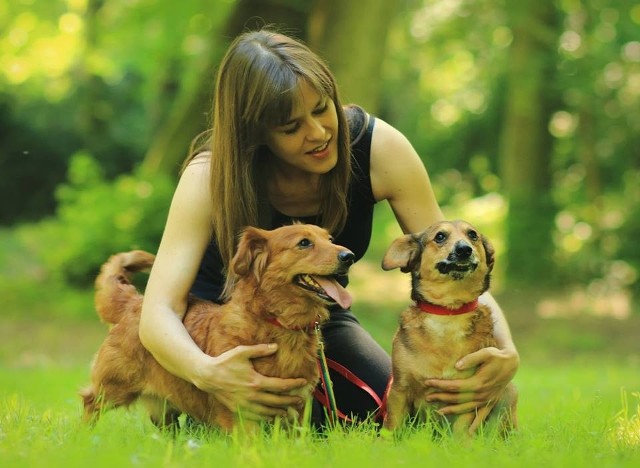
(356, 233)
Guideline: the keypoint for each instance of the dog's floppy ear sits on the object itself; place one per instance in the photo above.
(252, 253)
(403, 253)
(489, 252)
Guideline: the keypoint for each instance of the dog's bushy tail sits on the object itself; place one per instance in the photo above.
(114, 290)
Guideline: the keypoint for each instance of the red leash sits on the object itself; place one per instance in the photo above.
(325, 395)
(324, 398)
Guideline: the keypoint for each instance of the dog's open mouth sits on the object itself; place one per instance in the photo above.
(326, 287)
(446, 267)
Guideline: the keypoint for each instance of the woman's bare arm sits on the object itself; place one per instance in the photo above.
(231, 375)
(399, 176)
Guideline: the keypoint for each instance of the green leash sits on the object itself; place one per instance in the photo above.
(326, 379)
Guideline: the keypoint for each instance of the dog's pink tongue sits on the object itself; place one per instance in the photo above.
(334, 290)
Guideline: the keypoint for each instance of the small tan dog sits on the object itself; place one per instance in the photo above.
(450, 265)
(285, 281)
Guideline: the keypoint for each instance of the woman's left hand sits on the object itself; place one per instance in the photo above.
(480, 392)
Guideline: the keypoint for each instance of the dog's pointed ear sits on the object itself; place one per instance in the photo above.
(489, 252)
(403, 253)
(252, 253)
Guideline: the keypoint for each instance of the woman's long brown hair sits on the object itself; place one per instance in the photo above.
(256, 89)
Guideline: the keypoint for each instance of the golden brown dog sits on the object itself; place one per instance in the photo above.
(450, 265)
(285, 281)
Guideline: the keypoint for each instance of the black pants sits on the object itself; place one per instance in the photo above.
(348, 344)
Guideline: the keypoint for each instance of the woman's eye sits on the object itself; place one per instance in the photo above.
(305, 243)
(440, 237)
(291, 130)
(322, 109)
(473, 235)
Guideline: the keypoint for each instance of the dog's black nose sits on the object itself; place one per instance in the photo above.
(347, 257)
(462, 250)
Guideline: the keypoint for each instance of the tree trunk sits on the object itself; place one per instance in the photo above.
(351, 36)
(92, 126)
(189, 113)
(526, 143)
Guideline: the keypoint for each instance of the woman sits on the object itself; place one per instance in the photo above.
(282, 147)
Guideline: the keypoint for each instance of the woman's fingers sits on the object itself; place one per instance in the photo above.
(254, 351)
(250, 393)
(276, 400)
(454, 398)
(453, 386)
(280, 386)
(259, 404)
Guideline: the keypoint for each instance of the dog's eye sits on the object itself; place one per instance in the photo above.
(440, 237)
(305, 243)
(473, 235)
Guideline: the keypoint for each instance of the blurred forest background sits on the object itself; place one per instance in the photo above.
(526, 114)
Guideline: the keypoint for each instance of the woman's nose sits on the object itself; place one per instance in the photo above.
(315, 130)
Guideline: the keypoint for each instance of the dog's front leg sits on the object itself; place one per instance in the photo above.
(162, 414)
(507, 410)
(397, 408)
(462, 423)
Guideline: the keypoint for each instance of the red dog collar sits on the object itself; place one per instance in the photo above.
(430, 308)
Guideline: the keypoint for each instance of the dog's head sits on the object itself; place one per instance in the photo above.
(296, 264)
(450, 262)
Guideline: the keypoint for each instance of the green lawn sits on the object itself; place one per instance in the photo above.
(571, 415)
(576, 409)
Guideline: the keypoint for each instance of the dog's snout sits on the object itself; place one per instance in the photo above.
(346, 257)
(462, 250)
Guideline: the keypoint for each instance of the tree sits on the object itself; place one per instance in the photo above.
(353, 39)
(526, 144)
(188, 116)
(338, 30)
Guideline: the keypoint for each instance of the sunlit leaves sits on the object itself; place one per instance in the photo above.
(45, 42)
(114, 216)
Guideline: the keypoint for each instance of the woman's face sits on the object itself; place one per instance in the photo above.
(308, 141)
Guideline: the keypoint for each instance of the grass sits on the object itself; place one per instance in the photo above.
(576, 411)
(571, 416)
(579, 385)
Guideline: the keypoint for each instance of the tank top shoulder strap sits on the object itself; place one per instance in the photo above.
(358, 120)
(361, 130)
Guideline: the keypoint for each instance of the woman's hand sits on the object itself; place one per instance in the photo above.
(232, 378)
(481, 391)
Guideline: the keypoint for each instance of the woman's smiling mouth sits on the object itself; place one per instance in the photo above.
(318, 151)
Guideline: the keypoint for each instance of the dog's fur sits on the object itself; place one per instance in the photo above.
(285, 281)
(450, 265)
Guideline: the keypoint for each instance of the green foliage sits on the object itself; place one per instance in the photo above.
(97, 218)
(444, 88)
(596, 241)
(443, 81)
(103, 77)
(94, 76)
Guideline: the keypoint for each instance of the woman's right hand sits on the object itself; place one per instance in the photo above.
(232, 378)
